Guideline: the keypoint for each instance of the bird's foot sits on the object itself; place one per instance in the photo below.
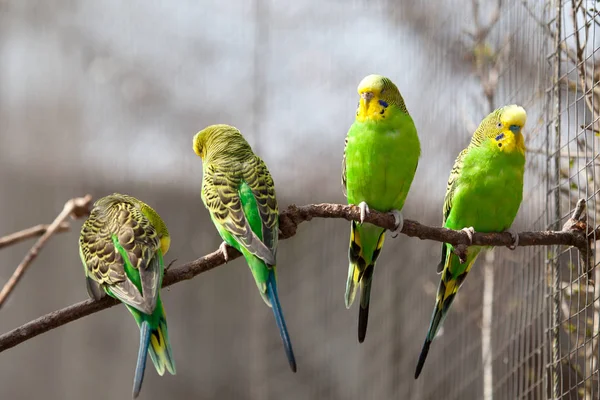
(515, 237)
(364, 211)
(223, 248)
(399, 221)
(171, 263)
(469, 231)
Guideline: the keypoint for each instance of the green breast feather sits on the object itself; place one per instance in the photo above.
(381, 159)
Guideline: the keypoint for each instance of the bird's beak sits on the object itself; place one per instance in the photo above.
(515, 129)
(366, 96)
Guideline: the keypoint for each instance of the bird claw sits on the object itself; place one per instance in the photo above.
(469, 231)
(171, 263)
(515, 237)
(223, 248)
(399, 221)
(364, 211)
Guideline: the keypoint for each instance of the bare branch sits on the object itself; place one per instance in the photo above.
(288, 223)
(77, 208)
(28, 233)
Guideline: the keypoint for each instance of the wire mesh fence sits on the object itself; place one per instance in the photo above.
(572, 175)
(537, 323)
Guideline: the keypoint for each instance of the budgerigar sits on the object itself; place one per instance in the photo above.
(484, 192)
(380, 160)
(122, 245)
(238, 191)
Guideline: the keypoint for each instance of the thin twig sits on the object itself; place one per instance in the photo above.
(29, 233)
(76, 207)
(288, 223)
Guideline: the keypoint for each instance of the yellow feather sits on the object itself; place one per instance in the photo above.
(165, 243)
(377, 88)
(512, 115)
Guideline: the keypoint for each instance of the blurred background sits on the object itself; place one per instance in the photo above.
(103, 97)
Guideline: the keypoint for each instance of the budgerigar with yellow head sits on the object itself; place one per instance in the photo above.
(380, 160)
(239, 193)
(122, 245)
(484, 193)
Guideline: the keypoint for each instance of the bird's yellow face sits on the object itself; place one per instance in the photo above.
(372, 104)
(508, 137)
(198, 144)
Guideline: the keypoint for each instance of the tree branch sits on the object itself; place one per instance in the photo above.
(28, 233)
(288, 224)
(77, 207)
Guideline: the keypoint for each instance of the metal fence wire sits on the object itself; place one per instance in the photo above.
(573, 138)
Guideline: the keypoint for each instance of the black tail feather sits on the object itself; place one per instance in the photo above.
(365, 299)
(363, 319)
(422, 358)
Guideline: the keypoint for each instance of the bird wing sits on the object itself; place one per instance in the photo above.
(221, 195)
(120, 249)
(344, 166)
(448, 198)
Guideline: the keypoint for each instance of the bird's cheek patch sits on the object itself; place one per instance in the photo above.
(498, 139)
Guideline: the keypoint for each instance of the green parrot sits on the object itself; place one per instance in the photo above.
(238, 191)
(484, 192)
(381, 154)
(122, 244)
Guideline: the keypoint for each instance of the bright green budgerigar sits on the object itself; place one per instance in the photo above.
(484, 192)
(380, 160)
(238, 191)
(122, 245)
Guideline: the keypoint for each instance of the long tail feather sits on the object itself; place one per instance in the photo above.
(366, 242)
(365, 296)
(453, 276)
(422, 357)
(435, 324)
(140, 367)
(363, 319)
(274, 299)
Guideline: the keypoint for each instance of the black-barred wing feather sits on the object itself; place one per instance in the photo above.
(220, 193)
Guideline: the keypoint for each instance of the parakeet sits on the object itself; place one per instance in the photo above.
(238, 191)
(122, 245)
(381, 154)
(484, 192)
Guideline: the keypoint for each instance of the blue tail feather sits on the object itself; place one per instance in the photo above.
(272, 294)
(141, 359)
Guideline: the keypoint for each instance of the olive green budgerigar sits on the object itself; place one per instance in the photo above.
(380, 160)
(238, 191)
(122, 244)
(484, 192)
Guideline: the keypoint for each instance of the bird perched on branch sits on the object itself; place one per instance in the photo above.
(484, 192)
(239, 193)
(381, 154)
(122, 245)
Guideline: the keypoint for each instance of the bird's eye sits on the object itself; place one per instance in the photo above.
(382, 90)
(499, 124)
